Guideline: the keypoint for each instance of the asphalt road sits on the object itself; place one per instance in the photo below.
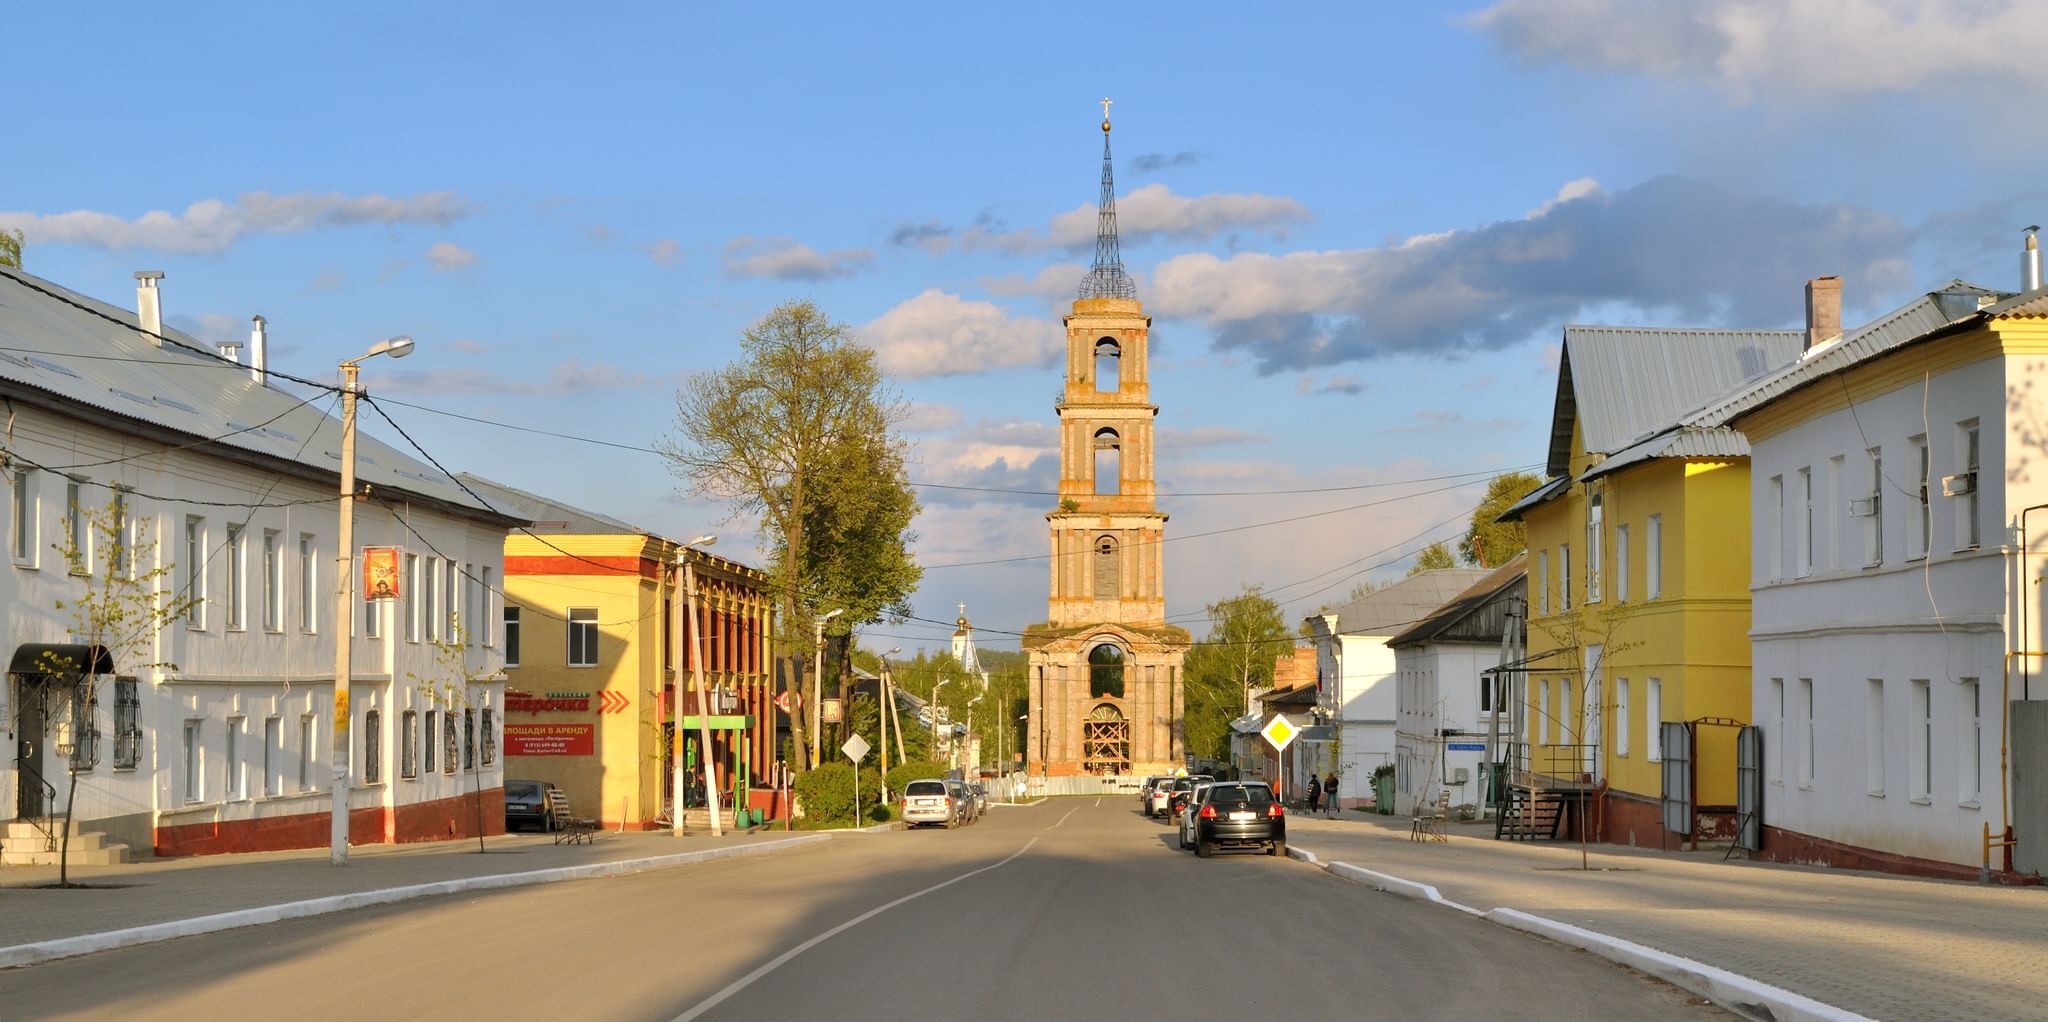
(1073, 909)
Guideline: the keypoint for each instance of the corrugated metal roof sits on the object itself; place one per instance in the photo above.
(1539, 495)
(1684, 442)
(2031, 305)
(1916, 320)
(548, 515)
(1463, 605)
(1629, 383)
(1389, 610)
(96, 356)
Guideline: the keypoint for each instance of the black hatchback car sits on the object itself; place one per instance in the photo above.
(526, 803)
(1239, 814)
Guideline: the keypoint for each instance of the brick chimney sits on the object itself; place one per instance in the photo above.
(1823, 311)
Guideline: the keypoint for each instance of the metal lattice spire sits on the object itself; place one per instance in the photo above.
(1107, 278)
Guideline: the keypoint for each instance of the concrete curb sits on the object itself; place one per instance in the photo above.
(85, 944)
(1746, 997)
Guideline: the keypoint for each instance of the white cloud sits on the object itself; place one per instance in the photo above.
(929, 418)
(212, 225)
(1147, 213)
(1335, 383)
(569, 377)
(1570, 190)
(1678, 248)
(1758, 47)
(789, 259)
(447, 255)
(665, 251)
(1056, 283)
(941, 334)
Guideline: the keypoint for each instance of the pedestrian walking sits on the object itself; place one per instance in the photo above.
(1315, 794)
(1330, 794)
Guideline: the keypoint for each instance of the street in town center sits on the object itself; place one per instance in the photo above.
(1071, 908)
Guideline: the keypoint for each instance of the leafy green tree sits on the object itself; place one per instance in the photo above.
(1490, 544)
(10, 247)
(1246, 636)
(1433, 557)
(786, 433)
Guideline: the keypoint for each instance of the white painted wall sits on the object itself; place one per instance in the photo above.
(1439, 688)
(1362, 704)
(1942, 620)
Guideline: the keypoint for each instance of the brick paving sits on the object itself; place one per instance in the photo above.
(166, 890)
(1891, 948)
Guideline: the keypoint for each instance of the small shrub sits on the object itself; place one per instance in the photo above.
(915, 770)
(826, 794)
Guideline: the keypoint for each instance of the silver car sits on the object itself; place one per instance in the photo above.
(928, 803)
(1188, 809)
(970, 810)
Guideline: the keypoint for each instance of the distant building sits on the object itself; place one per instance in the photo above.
(227, 479)
(1445, 718)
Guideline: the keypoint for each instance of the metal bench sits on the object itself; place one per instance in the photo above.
(568, 826)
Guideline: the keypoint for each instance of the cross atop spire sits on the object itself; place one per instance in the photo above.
(1107, 278)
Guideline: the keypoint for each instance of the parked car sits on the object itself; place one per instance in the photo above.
(1237, 814)
(929, 802)
(969, 811)
(1145, 792)
(526, 804)
(1185, 818)
(980, 798)
(1177, 796)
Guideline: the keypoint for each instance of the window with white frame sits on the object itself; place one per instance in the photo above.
(1873, 738)
(431, 568)
(273, 581)
(237, 577)
(373, 747)
(1543, 581)
(1563, 713)
(76, 534)
(1832, 512)
(127, 724)
(1803, 539)
(1564, 575)
(236, 787)
(306, 752)
(1653, 557)
(409, 598)
(449, 748)
(1774, 530)
(488, 599)
(583, 637)
(409, 744)
(118, 530)
(23, 537)
(1621, 564)
(1969, 525)
(455, 588)
(1920, 740)
(1871, 509)
(1777, 729)
(309, 583)
(273, 756)
(1653, 720)
(192, 571)
(431, 740)
(195, 762)
(511, 636)
(1970, 744)
(1622, 724)
(1920, 531)
(1595, 534)
(1548, 725)
(489, 737)
(1808, 758)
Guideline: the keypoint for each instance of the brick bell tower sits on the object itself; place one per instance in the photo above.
(1106, 667)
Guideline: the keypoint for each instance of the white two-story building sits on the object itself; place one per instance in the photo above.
(213, 732)
(1892, 468)
(1444, 720)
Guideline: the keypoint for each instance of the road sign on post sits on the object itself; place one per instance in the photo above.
(856, 749)
(1278, 732)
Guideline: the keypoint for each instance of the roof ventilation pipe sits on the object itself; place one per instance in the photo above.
(1823, 311)
(149, 309)
(230, 350)
(2030, 262)
(257, 344)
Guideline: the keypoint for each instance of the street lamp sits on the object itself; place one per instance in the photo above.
(680, 769)
(932, 714)
(818, 683)
(344, 589)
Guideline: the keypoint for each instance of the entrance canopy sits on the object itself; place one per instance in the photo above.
(60, 658)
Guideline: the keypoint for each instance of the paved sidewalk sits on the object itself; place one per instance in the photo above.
(169, 890)
(1888, 947)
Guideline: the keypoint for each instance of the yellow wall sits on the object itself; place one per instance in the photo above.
(1693, 638)
(622, 780)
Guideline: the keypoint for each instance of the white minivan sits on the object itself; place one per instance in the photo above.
(929, 802)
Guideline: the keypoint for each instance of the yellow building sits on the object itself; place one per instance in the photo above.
(1638, 591)
(595, 652)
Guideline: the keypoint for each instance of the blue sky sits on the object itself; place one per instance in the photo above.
(1359, 229)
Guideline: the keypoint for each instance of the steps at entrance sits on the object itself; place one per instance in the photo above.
(25, 844)
(1530, 817)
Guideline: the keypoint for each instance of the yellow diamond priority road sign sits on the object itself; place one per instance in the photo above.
(1279, 732)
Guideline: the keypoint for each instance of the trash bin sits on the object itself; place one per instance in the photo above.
(1383, 795)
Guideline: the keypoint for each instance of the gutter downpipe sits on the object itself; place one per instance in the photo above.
(2005, 839)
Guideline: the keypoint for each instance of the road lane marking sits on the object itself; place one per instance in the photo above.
(1063, 819)
(782, 959)
(1098, 802)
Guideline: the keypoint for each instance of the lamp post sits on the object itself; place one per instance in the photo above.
(882, 687)
(932, 714)
(971, 743)
(344, 593)
(818, 683)
(696, 640)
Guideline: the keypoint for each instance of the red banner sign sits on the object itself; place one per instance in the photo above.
(380, 573)
(550, 739)
(527, 702)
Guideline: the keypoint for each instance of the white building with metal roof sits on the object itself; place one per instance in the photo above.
(214, 732)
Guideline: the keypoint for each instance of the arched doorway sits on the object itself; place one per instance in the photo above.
(1106, 671)
(1106, 741)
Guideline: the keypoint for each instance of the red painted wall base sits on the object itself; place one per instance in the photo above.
(438, 820)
